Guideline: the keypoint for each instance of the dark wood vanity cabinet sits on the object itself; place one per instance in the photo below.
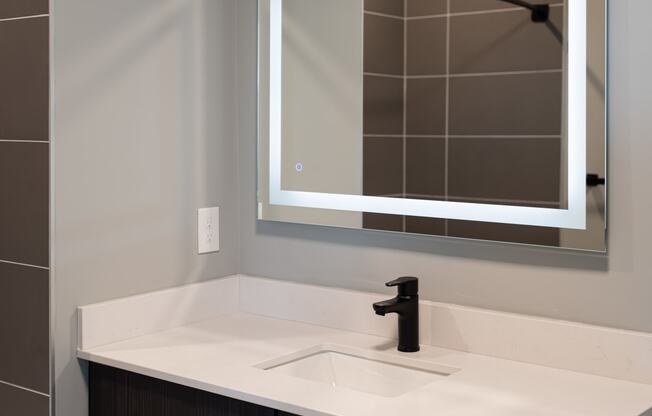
(115, 392)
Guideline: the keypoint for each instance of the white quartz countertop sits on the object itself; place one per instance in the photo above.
(219, 355)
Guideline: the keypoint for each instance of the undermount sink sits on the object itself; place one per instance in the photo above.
(362, 370)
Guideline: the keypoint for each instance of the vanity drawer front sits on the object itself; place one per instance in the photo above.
(115, 392)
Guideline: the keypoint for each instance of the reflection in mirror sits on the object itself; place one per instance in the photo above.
(466, 105)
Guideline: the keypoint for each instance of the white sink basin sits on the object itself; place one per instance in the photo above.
(367, 371)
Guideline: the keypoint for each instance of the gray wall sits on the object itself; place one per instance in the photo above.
(147, 129)
(24, 208)
(144, 134)
(611, 290)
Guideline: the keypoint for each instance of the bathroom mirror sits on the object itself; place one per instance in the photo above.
(477, 119)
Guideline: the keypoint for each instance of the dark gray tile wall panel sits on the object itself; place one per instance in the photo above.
(24, 208)
(18, 402)
(430, 226)
(426, 7)
(426, 46)
(392, 7)
(382, 222)
(24, 212)
(18, 8)
(514, 168)
(24, 325)
(24, 79)
(478, 5)
(383, 166)
(383, 105)
(425, 167)
(528, 104)
(498, 42)
(383, 45)
(426, 106)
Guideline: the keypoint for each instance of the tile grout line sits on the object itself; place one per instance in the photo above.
(405, 72)
(35, 16)
(456, 14)
(387, 15)
(24, 264)
(447, 115)
(381, 75)
(6, 383)
(504, 136)
(472, 13)
(470, 74)
(506, 73)
(23, 141)
(363, 78)
(470, 136)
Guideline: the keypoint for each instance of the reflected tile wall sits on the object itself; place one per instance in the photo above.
(471, 101)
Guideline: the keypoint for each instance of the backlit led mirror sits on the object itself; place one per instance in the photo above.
(479, 119)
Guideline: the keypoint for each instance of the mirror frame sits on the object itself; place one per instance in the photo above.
(572, 217)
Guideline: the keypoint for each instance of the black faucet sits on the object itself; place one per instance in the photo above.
(406, 305)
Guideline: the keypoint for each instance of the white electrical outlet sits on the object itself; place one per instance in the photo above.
(208, 230)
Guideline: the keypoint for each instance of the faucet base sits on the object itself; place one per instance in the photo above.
(402, 348)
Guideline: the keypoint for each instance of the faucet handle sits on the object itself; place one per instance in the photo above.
(407, 286)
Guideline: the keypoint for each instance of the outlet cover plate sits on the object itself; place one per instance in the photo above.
(208, 230)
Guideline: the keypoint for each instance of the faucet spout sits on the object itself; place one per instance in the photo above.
(395, 305)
